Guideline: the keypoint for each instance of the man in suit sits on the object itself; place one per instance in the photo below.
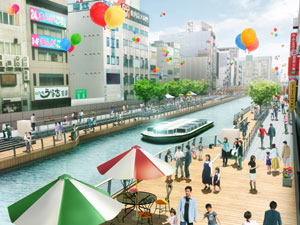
(272, 134)
(272, 217)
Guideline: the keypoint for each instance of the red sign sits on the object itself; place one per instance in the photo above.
(293, 42)
(293, 69)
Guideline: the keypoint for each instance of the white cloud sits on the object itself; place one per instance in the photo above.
(154, 36)
(247, 3)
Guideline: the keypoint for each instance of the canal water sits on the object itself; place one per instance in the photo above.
(82, 162)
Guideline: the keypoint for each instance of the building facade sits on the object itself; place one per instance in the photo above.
(223, 78)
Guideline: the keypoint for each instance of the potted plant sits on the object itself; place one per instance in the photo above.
(287, 177)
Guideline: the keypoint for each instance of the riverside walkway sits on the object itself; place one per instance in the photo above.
(235, 197)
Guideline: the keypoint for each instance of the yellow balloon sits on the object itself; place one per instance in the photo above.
(114, 16)
(271, 33)
(248, 37)
(273, 71)
(157, 69)
(164, 50)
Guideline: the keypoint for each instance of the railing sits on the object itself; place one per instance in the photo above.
(238, 115)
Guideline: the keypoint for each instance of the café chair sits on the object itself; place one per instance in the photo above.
(163, 206)
(145, 215)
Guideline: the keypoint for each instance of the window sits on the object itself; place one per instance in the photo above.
(142, 63)
(125, 26)
(146, 64)
(125, 42)
(118, 60)
(137, 62)
(51, 79)
(113, 60)
(33, 53)
(170, 72)
(126, 80)
(11, 19)
(5, 17)
(50, 55)
(136, 30)
(10, 48)
(107, 41)
(1, 17)
(8, 80)
(131, 61)
(130, 43)
(117, 43)
(131, 79)
(108, 59)
(125, 63)
(6, 48)
(152, 67)
(67, 79)
(112, 43)
(34, 79)
(47, 30)
(1, 47)
(130, 28)
(112, 78)
(142, 32)
(146, 34)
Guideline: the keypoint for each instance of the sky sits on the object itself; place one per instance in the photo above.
(228, 19)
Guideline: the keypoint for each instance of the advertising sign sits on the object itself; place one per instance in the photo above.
(41, 41)
(292, 95)
(80, 93)
(81, 6)
(135, 15)
(42, 16)
(293, 69)
(51, 93)
(293, 42)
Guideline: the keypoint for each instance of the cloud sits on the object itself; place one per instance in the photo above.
(154, 36)
(246, 4)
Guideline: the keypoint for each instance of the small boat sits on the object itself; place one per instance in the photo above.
(176, 131)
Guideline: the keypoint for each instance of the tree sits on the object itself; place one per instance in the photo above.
(173, 88)
(262, 91)
(159, 91)
(144, 90)
(186, 86)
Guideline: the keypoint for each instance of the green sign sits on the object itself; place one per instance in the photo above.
(80, 93)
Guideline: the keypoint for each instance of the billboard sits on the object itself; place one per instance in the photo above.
(42, 16)
(293, 42)
(292, 95)
(135, 15)
(41, 41)
(293, 69)
(51, 93)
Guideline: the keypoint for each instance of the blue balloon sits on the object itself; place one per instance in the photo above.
(277, 73)
(239, 43)
(276, 35)
(65, 44)
(159, 73)
(134, 32)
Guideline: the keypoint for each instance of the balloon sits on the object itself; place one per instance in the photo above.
(248, 37)
(183, 62)
(275, 29)
(277, 73)
(276, 68)
(65, 44)
(254, 46)
(11, 11)
(167, 52)
(154, 71)
(159, 73)
(157, 69)
(114, 16)
(239, 43)
(71, 48)
(16, 8)
(276, 35)
(138, 40)
(97, 13)
(273, 71)
(164, 50)
(75, 39)
(134, 39)
(271, 33)
(170, 58)
(134, 32)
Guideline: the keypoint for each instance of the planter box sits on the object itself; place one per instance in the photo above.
(287, 182)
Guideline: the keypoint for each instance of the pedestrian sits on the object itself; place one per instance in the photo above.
(252, 171)
(187, 209)
(242, 114)
(168, 159)
(286, 153)
(30, 140)
(112, 108)
(94, 122)
(59, 131)
(8, 131)
(26, 142)
(124, 108)
(235, 148)
(274, 158)
(188, 160)
(81, 115)
(244, 127)
(56, 130)
(240, 154)
(4, 130)
(225, 150)
(268, 163)
(271, 133)
(248, 216)
(276, 112)
(207, 173)
(73, 132)
(194, 153)
(89, 123)
(272, 217)
(262, 132)
(179, 155)
(200, 151)
(217, 181)
(282, 107)
(272, 114)
(211, 215)
(33, 121)
(73, 115)
(172, 219)
(286, 122)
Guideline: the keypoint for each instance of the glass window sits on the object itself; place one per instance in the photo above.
(8, 80)
(18, 49)
(5, 17)
(0, 17)
(146, 63)
(125, 42)
(34, 79)
(43, 29)
(112, 43)
(152, 67)
(136, 30)
(67, 79)
(125, 26)
(50, 55)
(125, 63)
(142, 63)
(51, 79)
(6, 48)
(131, 61)
(130, 28)
(130, 43)
(113, 60)
(125, 78)
(108, 59)
(146, 33)
(113, 78)
(11, 19)
(118, 60)
(17, 20)
(142, 32)
(13, 49)
(117, 43)
(1, 47)
(107, 41)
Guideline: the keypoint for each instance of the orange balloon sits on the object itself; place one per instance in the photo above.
(11, 11)
(248, 37)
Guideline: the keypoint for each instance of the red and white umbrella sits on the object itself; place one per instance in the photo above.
(136, 164)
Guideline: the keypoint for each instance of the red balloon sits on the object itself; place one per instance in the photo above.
(275, 29)
(97, 13)
(71, 48)
(138, 40)
(254, 46)
(276, 68)
(154, 71)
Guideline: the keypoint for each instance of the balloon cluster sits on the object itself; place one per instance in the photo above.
(284, 65)
(276, 57)
(274, 33)
(162, 14)
(208, 41)
(103, 15)
(169, 59)
(203, 81)
(137, 40)
(247, 40)
(182, 63)
(69, 46)
(157, 70)
(232, 63)
(165, 54)
(13, 10)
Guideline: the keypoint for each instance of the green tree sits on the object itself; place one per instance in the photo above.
(173, 88)
(262, 91)
(159, 91)
(186, 86)
(144, 90)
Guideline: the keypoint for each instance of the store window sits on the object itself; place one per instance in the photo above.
(108, 59)
(47, 30)
(107, 41)
(51, 79)
(50, 55)
(8, 80)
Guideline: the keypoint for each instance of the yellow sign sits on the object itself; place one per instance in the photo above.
(292, 94)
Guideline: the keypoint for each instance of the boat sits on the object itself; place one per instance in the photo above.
(176, 131)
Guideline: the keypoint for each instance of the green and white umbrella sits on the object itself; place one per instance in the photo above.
(65, 201)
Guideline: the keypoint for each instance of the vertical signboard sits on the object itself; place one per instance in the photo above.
(292, 95)
(293, 67)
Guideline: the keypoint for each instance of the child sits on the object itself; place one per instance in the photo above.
(211, 215)
(207, 173)
(217, 179)
(194, 155)
(200, 149)
(268, 163)
(172, 220)
(248, 221)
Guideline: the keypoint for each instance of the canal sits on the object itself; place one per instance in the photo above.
(81, 162)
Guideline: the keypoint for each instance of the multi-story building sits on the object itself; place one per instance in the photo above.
(170, 70)
(107, 63)
(223, 79)
(253, 68)
(46, 26)
(153, 64)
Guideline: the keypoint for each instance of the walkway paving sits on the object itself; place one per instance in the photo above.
(278, 139)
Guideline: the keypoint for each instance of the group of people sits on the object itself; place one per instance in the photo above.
(6, 131)
(187, 213)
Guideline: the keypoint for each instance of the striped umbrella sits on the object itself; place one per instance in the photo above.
(65, 201)
(136, 164)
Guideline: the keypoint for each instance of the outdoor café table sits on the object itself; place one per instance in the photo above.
(127, 199)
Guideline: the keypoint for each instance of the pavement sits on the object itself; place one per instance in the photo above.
(278, 139)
